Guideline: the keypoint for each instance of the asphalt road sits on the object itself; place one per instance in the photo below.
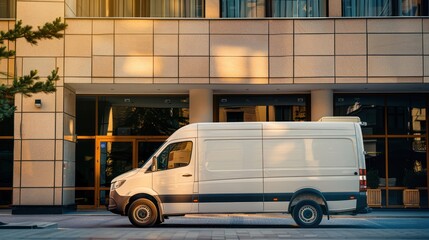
(242, 226)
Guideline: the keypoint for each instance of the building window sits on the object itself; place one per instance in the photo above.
(298, 8)
(378, 8)
(135, 8)
(243, 8)
(7, 8)
(261, 108)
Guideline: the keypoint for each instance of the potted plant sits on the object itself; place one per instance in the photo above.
(373, 192)
(411, 195)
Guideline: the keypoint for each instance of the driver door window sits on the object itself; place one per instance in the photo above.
(175, 155)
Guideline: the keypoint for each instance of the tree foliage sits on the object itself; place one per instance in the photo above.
(27, 84)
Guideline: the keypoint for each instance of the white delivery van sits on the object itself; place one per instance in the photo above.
(308, 169)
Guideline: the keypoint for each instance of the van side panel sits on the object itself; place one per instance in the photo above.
(230, 173)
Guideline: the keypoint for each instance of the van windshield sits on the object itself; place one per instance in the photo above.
(146, 151)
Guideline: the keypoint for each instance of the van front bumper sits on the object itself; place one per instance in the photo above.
(117, 203)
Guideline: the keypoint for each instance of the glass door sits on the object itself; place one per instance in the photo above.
(114, 158)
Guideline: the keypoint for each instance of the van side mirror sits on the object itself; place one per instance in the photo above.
(154, 163)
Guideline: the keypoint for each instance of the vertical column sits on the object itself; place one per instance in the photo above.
(213, 8)
(321, 104)
(335, 8)
(200, 105)
(44, 133)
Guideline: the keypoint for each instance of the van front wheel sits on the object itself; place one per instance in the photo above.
(307, 214)
(143, 213)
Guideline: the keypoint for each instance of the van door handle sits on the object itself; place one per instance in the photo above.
(187, 175)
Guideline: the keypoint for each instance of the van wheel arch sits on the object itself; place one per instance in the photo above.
(309, 194)
(154, 200)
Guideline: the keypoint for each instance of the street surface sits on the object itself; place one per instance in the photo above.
(102, 225)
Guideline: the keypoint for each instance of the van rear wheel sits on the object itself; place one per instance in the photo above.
(143, 213)
(307, 214)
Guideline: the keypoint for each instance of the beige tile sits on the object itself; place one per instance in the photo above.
(134, 45)
(281, 80)
(59, 145)
(48, 102)
(396, 80)
(17, 150)
(166, 45)
(305, 44)
(78, 45)
(19, 66)
(37, 196)
(69, 102)
(239, 27)
(239, 81)
(212, 8)
(102, 45)
(166, 27)
(350, 44)
(426, 44)
(125, 26)
(426, 65)
(313, 80)
(103, 26)
(16, 198)
(166, 67)
(194, 81)
(133, 67)
(77, 67)
(351, 80)
(44, 66)
(321, 66)
(58, 173)
(16, 173)
(239, 67)
(399, 25)
(50, 10)
(238, 45)
(102, 66)
(409, 44)
(281, 26)
(134, 80)
(45, 48)
(314, 26)
(59, 107)
(37, 174)
(193, 45)
(350, 66)
(58, 196)
(281, 45)
(166, 80)
(350, 25)
(281, 67)
(17, 125)
(77, 79)
(60, 65)
(398, 66)
(335, 8)
(59, 129)
(193, 27)
(38, 125)
(78, 26)
(4, 25)
(426, 80)
(190, 67)
(33, 150)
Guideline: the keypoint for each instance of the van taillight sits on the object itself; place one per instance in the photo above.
(362, 180)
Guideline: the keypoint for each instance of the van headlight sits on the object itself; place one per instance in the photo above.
(117, 184)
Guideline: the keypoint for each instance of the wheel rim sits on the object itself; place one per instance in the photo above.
(308, 214)
(142, 214)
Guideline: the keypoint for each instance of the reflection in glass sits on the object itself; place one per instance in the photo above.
(242, 8)
(155, 115)
(146, 150)
(175, 155)
(85, 115)
(376, 8)
(85, 163)
(115, 159)
(375, 159)
(84, 197)
(6, 127)
(7, 8)
(406, 115)
(256, 108)
(139, 8)
(6, 163)
(298, 8)
(104, 197)
(369, 109)
(408, 159)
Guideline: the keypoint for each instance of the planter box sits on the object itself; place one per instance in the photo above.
(373, 197)
(411, 198)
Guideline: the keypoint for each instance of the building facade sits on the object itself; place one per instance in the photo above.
(134, 71)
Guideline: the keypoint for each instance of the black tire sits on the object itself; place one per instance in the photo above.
(307, 214)
(143, 213)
